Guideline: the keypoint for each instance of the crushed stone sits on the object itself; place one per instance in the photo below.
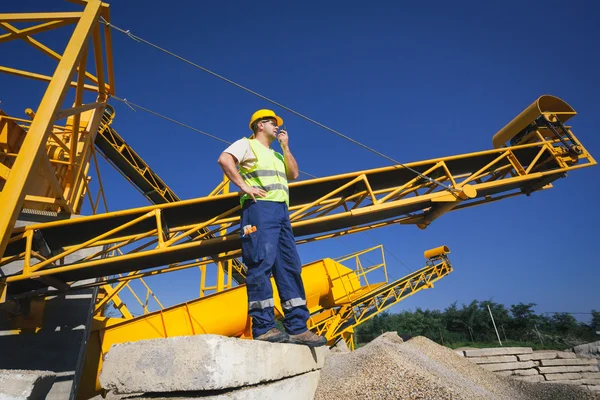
(389, 368)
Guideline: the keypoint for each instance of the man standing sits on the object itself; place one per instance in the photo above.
(268, 243)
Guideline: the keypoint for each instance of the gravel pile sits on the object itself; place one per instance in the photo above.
(388, 368)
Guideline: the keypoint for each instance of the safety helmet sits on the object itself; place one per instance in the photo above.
(264, 113)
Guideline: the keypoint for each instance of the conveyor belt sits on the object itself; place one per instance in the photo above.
(319, 208)
(195, 211)
(126, 160)
(378, 300)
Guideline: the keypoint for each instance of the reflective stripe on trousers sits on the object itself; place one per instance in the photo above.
(271, 249)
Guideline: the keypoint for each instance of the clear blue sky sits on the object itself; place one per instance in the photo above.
(414, 81)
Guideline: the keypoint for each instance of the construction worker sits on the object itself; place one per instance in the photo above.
(268, 243)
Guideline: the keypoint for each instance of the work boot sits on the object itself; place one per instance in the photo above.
(309, 339)
(273, 335)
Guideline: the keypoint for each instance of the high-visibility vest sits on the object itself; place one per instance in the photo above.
(268, 174)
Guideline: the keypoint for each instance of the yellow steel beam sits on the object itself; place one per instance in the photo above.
(36, 17)
(43, 48)
(99, 63)
(40, 77)
(45, 200)
(4, 172)
(109, 55)
(77, 115)
(32, 30)
(108, 291)
(77, 110)
(13, 192)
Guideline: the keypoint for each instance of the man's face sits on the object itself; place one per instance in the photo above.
(270, 127)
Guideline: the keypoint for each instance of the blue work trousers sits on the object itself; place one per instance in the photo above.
(271, 249)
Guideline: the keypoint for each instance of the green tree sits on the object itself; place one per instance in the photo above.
(564, 323)
(523, 319)
(468, 317)
(595, 320)
(501, 318)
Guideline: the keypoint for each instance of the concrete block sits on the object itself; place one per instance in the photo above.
(568, 368)
(591, 381)
(537, 356)
(501, 351)
(566, 354)
(526, 372)
(507, 366)
(493, 359)
(568, 382)
(300, 387)
(588, 349)
(576, 361)
(591, 375)
(16, 384)
(567, 376)
(553, 370)
(203, 362)
(532, 378)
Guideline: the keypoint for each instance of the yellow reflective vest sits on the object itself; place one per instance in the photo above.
(268, 174)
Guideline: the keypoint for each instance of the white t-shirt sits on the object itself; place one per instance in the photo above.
(241, 150)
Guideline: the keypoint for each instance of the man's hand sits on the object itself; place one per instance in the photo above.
(283, 139)
(252, 191)
(291, 166)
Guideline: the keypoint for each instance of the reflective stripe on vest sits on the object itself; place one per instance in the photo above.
(267, 173)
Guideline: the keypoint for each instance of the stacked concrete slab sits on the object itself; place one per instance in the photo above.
(25, 385)
(213, 367)
(546, 366)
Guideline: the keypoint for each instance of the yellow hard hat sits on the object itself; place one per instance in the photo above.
(264, 113)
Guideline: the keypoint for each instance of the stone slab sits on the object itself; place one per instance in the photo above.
(588, 349)
(559, 362)
(507, 366)
(566, 354)
(568, 382)
(537, 356)
(16, 384)
(203, 362)
(504, 373)
(526, 372)
(591, 382)
(501, 351)
(567, 376)
(492, 359)
(532, 378)
(568, 368)
(591, 375)
(300, 387)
